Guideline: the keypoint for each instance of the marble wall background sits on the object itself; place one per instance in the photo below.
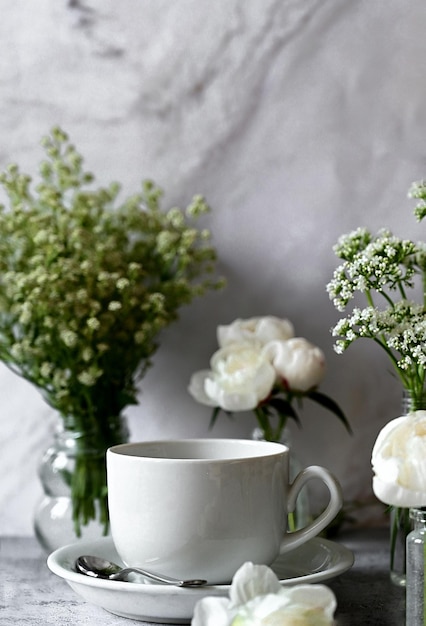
(298, 120)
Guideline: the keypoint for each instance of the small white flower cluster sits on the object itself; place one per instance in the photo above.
(386, 270)
(85, 286)
(256, 598)
(371, 264)
(403, 326)
(418, 191)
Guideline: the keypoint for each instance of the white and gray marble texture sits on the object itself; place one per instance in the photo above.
(299, 120)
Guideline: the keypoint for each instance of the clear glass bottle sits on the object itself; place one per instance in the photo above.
(400, 522)
(415, 577)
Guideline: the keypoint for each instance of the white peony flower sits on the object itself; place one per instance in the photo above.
(258, 599)
(240, 377)
(298, 362)
(399, 461)
(260, 330)
(261, 367)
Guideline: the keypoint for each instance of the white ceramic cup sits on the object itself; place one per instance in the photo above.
(200, 508)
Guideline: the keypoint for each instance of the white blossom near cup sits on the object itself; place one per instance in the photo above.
(200, 508)
(260, 330)
(240, 377)
(256, 597)
(297, 361)
(262, 368)
(399, 461)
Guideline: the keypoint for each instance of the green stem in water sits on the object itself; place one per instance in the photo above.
(400, 528)
(88, 481)
(89, 491)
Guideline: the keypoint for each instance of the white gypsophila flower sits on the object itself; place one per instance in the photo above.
(166, 240)
(258, 329)
(370, 264)
(46, 369)
(69, 337)
(48, 322)
(348, 245)
(258, 599)
(140, 337)
(89, 377)
(104, 276)
(93, 323)
(297, 361)
(175, 217)
(122, 283)
(399, 461)
(240, 377)
(402, 328)
(17, 350)
(87, 354)
(156, 300)
(26, 313)
(114, 305)
(188, 237)
(41, 237)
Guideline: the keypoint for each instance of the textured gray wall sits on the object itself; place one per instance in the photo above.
(298, 120)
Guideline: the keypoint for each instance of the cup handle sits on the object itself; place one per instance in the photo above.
(293, 539)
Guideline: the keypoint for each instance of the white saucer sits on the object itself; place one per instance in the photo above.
(317, 560)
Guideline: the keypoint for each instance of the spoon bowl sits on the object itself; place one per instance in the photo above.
(98, 567)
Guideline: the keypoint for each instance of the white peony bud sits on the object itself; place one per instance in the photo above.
(298, 362)
(260, 330)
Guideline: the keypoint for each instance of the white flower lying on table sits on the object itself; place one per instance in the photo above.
(399, 461)
(256, 598)
(260, 366)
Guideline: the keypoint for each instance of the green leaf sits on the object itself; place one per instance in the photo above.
(285, 408)
(215, 415)
(331, 405)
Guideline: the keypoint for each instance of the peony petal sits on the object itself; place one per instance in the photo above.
(270, 328)
(212, 611)
(252, 580)
(240, 378)
(230, 400)
(396, 495)
(259, 330)
(313, 597)
(197, 387)
(303, 605)
(297, 361)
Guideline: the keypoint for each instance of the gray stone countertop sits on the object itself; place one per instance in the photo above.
(31, 594)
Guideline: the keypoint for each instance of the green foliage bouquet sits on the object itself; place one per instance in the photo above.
(86, 285)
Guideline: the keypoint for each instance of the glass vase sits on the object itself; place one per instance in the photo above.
(301, 516)
(73, 477)
(416, 562)
(400, 521)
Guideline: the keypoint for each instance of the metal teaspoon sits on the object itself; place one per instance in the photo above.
(98, 567)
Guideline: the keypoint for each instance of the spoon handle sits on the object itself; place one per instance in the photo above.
(161, 578)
